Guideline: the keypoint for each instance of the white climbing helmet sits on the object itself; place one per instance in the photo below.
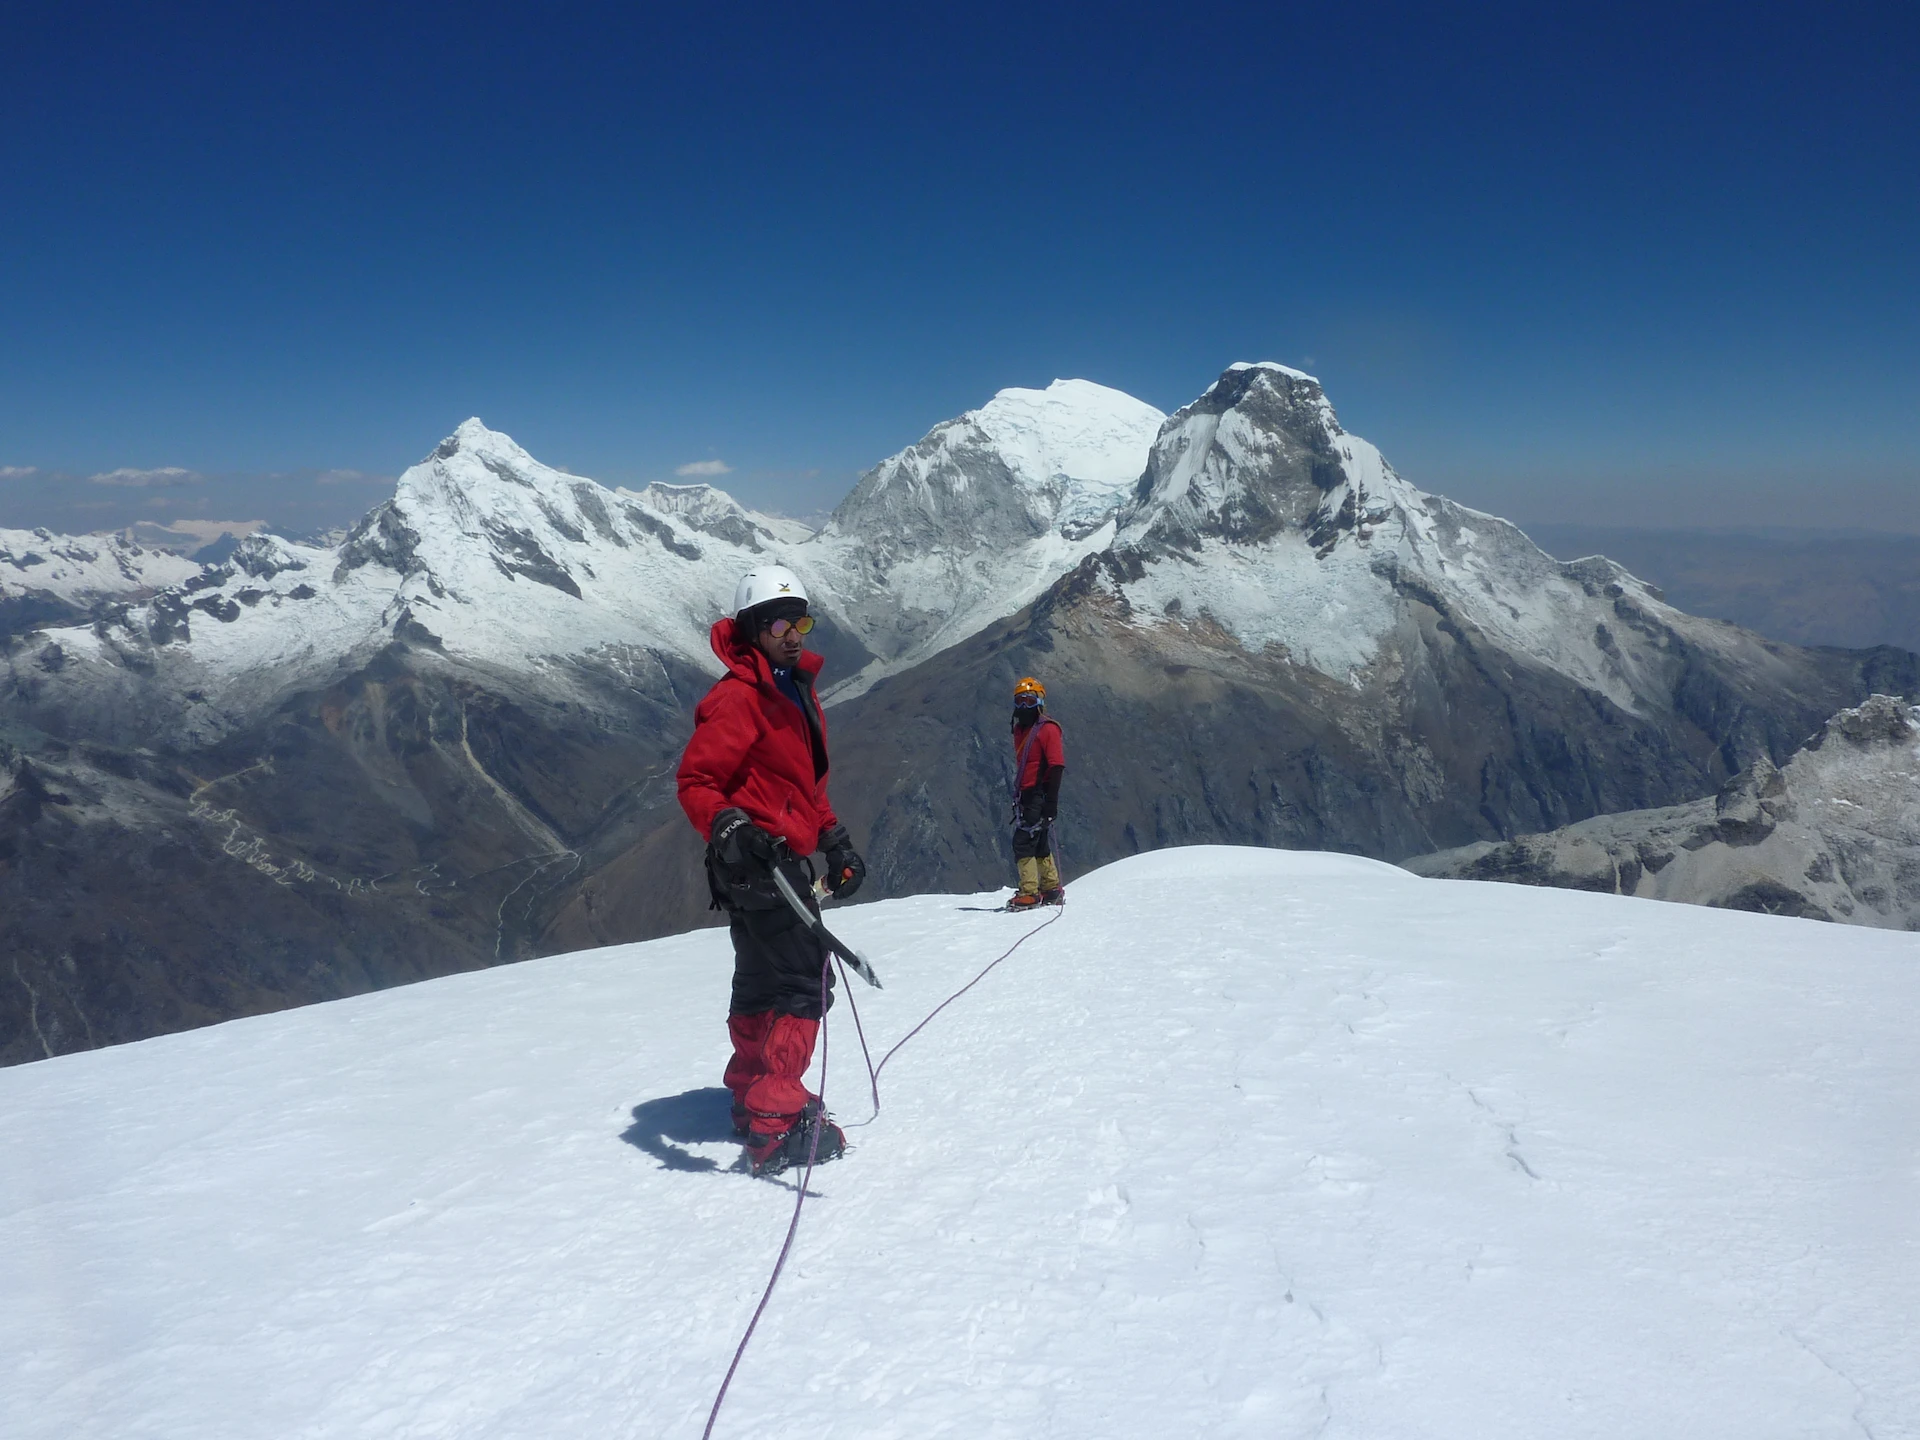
(764, 583)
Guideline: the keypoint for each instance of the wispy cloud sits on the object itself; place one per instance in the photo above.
(705, 467)
(18, 472)
(166, 475)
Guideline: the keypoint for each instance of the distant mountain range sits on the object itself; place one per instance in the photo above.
(448, 740)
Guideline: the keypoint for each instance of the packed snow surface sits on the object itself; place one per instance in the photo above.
(1246, 1143)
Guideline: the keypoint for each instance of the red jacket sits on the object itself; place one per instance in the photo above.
(752, 747)
(1043, 749)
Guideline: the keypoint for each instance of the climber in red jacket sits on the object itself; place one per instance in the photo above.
(1041, 760)
(753, 781)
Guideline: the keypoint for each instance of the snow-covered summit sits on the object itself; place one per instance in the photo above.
(1253, 455)
(1275, 366)
(1075, 447)
(983, 514)
(1251, 1144)
(1025, 462)
(480, 507)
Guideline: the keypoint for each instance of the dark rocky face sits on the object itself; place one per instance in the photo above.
(412, 819)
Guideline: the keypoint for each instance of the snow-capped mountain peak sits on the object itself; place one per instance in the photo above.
(76, 571)
(1275, 366)
(978, 518)
(480, 498)
(473, 435)
(714, 512)
(1258, 510)
(1026, 462)
(483, 553)
(1253, 455)
(1075, 446)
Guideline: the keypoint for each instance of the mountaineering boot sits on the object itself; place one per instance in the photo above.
(1025, 900)
(769, 1155)
(1052, 892)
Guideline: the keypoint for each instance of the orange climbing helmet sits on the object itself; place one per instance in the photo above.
(1029, 692)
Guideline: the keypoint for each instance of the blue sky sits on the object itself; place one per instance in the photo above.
(1568, 262)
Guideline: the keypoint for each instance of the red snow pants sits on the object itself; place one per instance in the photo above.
(781, 987)
(771, 1053)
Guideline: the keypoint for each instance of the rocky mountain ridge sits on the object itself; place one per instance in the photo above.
(48, 579)
(1834, 834)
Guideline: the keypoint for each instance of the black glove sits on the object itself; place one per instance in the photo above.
(845, 868)
(740, 845)
(1050, 786)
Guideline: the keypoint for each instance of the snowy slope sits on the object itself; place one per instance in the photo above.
(976, 520)
(1249, 1143)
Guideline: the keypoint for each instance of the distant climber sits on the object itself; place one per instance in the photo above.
(1040, 760)
(753, 781)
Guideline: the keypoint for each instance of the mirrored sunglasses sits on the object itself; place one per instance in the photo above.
(802, 626)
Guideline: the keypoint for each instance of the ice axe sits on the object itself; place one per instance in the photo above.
(814, 923)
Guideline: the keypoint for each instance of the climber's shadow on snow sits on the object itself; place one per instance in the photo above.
(697, 1117)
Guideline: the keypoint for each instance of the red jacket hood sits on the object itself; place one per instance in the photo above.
(745, 661)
